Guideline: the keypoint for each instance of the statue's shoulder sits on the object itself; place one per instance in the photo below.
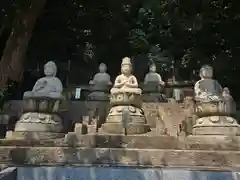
(120, 76)
(97, 74)
(132, 76)
(56, 80)
(106, 74)
(41, 79)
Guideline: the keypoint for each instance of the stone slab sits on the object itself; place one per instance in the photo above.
(217, 143)
(120, 173)
(54, 156)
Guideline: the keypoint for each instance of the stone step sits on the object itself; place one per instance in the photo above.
(79, 156)
(219, 143)
(121, 173)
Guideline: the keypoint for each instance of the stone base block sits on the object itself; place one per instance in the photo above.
(219, 129)
(117, 128)
(12, 135)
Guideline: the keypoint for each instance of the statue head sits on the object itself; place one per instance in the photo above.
(102, 68)
(152, 68)
(126, 66)
(226, 91)
(50, 69)
(206, 72)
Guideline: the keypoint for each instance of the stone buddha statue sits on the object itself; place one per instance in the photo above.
(41, 108)
(126, 82)
(214, 107)
(207, 89)
(101, 80)
(48, 86)
(153, 80)
(125, 114)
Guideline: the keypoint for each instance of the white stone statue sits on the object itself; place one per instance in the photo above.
(153, 76)
(48, 86)
(207, 89)
(230, 103)
(126, 82)
(102, 78)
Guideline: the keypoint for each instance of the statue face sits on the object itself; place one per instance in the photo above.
(50, 69)
(152, 68)
(226, 90)
(206, 72)
(102, 68)
(126, 69)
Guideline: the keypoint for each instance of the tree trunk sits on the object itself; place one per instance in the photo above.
(12, 61)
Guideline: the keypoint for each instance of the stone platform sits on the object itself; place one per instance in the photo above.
(138, 151)
(121, 173)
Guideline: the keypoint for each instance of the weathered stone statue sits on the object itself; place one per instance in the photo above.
(99, 97)
(213, 106)
(207, 89)
(101, 80)
(100, 85)
(41, 106)
(153, 77)
(230, 103)
(126, 82)
(126, 114)
(153, 85)
(48, 86)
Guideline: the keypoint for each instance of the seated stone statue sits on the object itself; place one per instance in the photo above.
(102, 79)
(48, 86)
(230, 103)
(126, 82)
(213, 107)
(153, 80)
(207, 89)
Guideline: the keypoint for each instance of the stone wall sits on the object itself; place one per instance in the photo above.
(120, 173)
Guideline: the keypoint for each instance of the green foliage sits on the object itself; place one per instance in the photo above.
(189, 32)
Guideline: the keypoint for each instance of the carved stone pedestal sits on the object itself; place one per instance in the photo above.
(98, 96)
(39, 117)
(213, 119)
(152, 92)
(99, 92)
(125, 115)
